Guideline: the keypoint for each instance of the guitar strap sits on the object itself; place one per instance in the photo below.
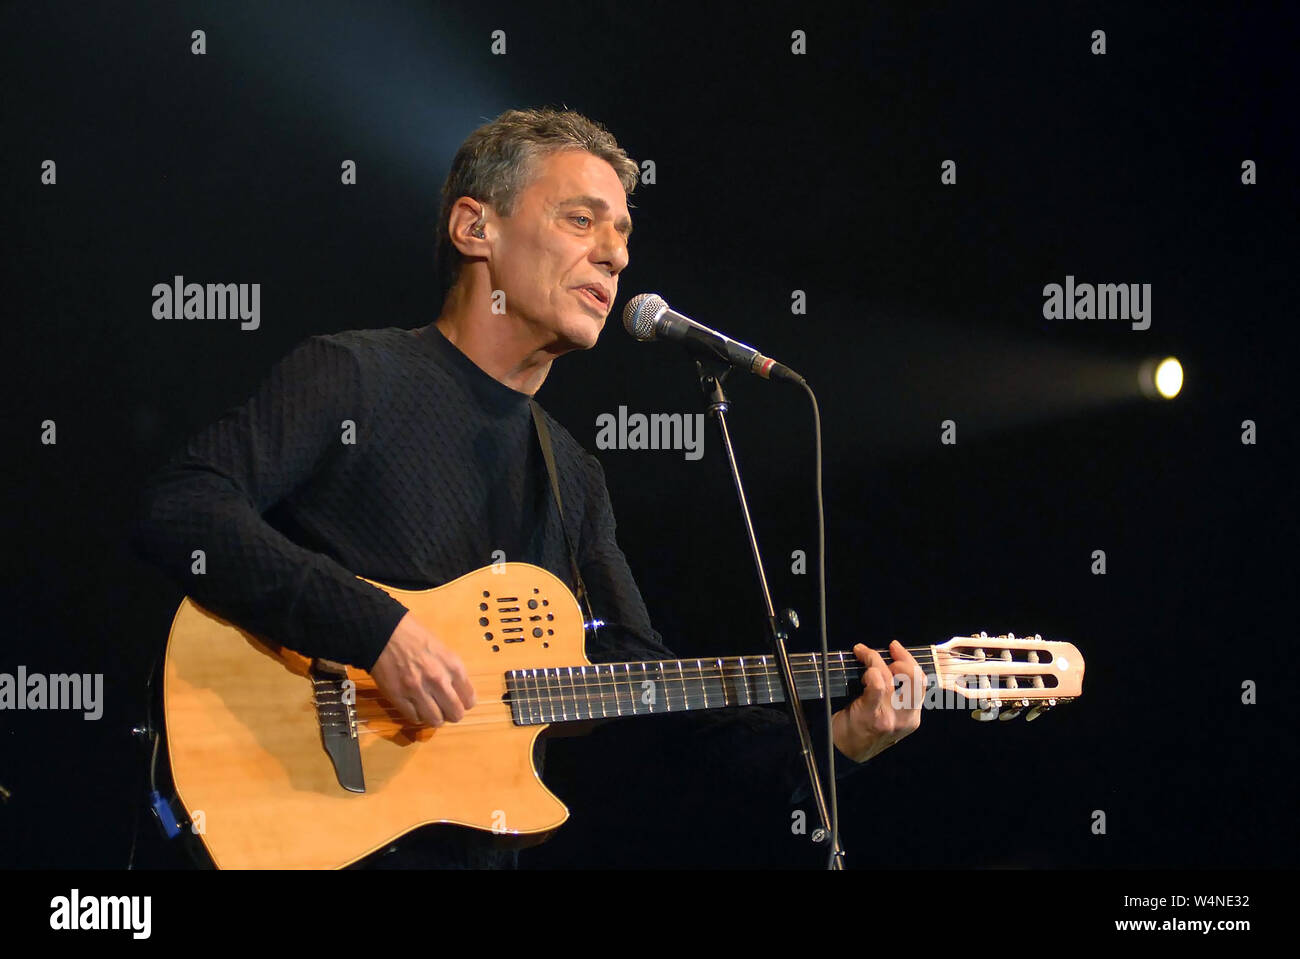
(544, 440)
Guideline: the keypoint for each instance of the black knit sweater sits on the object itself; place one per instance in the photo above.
(389, 454)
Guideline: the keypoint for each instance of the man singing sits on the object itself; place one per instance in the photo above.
(410, 457)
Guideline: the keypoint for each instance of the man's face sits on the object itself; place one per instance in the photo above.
(569, 230)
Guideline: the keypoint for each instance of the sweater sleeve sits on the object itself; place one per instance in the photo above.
(212, 495)
(745, 743)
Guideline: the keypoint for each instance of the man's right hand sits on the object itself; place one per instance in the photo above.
(421, 677)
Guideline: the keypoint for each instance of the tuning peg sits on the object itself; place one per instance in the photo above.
(989, 709)
(1012, 683)
(1039, 710)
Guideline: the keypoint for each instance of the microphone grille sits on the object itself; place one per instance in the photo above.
(640, 314)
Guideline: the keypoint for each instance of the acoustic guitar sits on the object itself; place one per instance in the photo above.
(282, 761)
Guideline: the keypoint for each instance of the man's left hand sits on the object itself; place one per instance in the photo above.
(878, 718)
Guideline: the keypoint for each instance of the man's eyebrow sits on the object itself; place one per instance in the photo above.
(623, 226)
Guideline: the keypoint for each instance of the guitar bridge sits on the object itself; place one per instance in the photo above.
(336, 711)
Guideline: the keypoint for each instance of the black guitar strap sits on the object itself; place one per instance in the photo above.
(544, 439)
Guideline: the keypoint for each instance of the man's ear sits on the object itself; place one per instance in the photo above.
(468, 226)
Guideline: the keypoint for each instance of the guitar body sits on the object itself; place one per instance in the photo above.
(246, 746)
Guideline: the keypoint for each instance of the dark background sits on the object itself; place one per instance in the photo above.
(774, 173)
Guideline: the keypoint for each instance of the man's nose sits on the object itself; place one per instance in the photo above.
(611, 250)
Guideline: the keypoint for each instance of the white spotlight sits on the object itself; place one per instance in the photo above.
(1161, 378)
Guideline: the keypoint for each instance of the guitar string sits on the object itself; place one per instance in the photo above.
(732, 668)
(380, 725)
(501, 713)
(555, 700)
(806, 663)
(927, 655)
(554, 678)
(547, 684)
(801, 663)
(576, 677)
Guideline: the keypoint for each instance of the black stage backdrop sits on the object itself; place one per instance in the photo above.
(877, 197)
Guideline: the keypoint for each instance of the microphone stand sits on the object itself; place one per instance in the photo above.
(711, 376)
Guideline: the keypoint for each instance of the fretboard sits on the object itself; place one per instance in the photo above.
(610, 690)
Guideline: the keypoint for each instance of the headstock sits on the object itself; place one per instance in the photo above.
(1005, 675)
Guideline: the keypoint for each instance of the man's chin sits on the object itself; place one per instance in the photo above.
(583, 336)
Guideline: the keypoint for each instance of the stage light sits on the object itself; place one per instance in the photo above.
(1161, 378)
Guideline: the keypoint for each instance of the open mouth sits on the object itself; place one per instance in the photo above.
(594, 297)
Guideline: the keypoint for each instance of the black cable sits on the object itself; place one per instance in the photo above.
(153, 759)
(834, 824)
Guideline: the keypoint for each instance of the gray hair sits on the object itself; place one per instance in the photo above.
(498, 161)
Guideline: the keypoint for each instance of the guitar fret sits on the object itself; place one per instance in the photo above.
(553, 690)
(613, 685)
(681, 679)
(533, 699)
(641, 689)
(817, 671)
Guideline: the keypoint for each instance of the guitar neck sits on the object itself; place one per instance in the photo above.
(610, 690)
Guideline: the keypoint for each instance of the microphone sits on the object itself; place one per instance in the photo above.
(647, 316)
